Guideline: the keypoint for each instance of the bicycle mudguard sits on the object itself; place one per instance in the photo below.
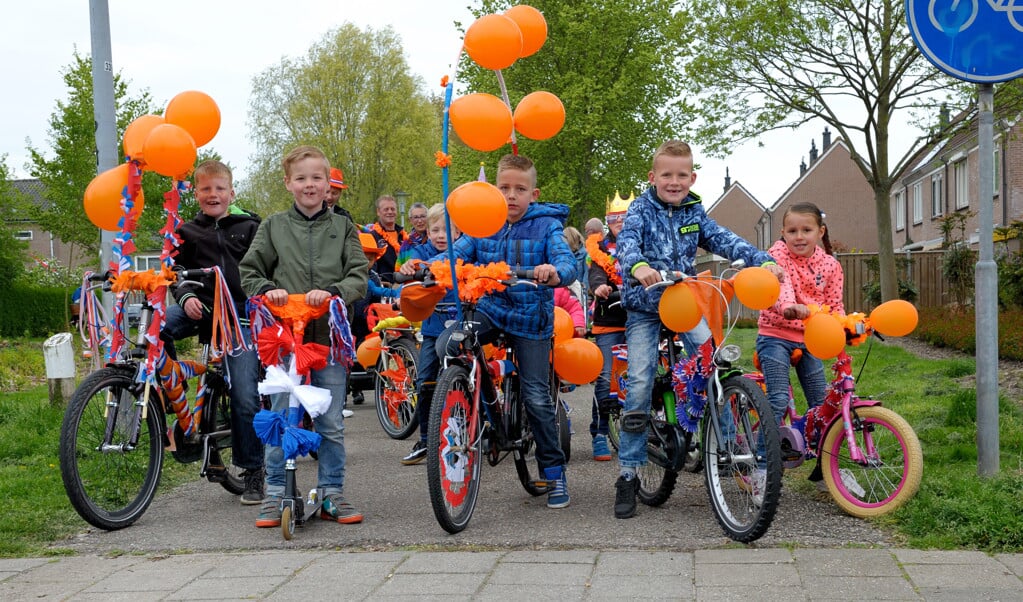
(673, 443)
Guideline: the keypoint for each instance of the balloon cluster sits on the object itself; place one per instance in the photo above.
(163, 144)
(485, 122)
(826, 333)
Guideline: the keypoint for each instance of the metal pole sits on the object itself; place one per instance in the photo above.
(104, 108)
(986, 294)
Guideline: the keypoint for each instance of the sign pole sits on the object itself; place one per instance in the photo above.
(986, 274)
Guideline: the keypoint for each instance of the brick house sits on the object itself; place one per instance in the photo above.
(943, 178)
(42, 246)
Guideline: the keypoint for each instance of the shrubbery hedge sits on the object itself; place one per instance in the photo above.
(31, 311)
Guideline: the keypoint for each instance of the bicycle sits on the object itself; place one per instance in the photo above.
(706, 414)
(114, 431)
(396, 370)
(868, 456)
(477, 408)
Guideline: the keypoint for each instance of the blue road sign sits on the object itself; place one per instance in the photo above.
(978, 41)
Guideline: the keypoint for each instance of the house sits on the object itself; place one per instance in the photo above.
(943, 178)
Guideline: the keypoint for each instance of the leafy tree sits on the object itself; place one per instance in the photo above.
(353, 96)
(73, 165)
(12, 250)
(613, 65)
(761, 65)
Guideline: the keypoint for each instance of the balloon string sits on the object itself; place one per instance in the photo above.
(507, 101)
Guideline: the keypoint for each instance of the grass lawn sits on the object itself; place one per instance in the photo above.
(955, 509)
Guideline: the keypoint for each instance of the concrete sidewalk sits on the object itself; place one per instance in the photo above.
(720, 574)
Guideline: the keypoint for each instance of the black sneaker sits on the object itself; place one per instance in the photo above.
(625, 497)
(417, 455)
(254, 487)
(358, 398)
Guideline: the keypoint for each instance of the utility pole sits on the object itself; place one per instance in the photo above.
(104, 110)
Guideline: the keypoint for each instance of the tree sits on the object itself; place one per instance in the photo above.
(353, 96)
(613, 66)
(73, 165)
(761, 65)
(12, 250)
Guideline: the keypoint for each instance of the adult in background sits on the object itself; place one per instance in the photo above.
(389, 236)
(418, 235)
(337, 186)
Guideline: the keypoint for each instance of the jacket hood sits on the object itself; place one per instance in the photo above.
(558, 211)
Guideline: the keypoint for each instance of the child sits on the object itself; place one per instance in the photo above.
(309, 249)
(429, 363)
(663, 228)
(532, 239)
(814, 278)
(219, 236)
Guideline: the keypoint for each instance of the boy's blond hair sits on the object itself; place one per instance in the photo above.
(304, 152)
(673, 148)
(574, 238)
(517, 162)
(213, 168)
(434, 213)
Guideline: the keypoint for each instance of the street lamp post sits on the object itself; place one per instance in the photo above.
(401, 196)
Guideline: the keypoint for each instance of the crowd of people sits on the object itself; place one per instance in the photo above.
(601, 276)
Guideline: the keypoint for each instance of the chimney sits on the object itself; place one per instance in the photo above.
(802, 168)
(813, 152)
(728, 180)
(943, 117)
(827, 139)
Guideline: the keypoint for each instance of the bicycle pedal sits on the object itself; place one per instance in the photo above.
(216, 473)
(543, 483)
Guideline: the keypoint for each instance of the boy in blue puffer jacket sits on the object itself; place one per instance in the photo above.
(664, 226)
(533, 239)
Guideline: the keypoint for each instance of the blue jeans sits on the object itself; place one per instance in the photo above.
(602, 388)
(330, 425)
(427, 368)
(643, 335)
(774, 354)
(243, 372)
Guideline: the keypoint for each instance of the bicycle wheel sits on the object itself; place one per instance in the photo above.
(749, 442)
(657, 478)
(614, 426)
(221, 446)
(453, 450)
(519, 430)
(112, 487)
(891, 474)
(564, 428)
(395, 388)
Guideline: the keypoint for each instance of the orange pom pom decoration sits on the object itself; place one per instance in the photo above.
(678, 308)
(757, 288)
(824, 336)
(895, 318)
(577, 361)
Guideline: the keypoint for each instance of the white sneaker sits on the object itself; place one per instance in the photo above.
(347, 413)
(759, 486)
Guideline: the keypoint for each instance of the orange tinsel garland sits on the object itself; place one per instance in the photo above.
(391, 236)
(474, 281)
(602, 259)
(147, 282)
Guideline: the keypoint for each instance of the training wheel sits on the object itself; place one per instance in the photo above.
(287, 523)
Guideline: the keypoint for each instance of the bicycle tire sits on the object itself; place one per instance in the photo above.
(729, 465)
(656, 478)
(453, 476)
(519, 430)
(110, 490)
(614, 419)
(886, 483)
(222, 452)
(401, 421)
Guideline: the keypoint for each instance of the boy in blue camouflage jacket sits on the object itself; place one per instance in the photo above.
(533, 239)
(663, 229)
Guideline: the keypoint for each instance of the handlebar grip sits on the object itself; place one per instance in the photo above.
(100, 277)
(194, 274)
(522, 274)
(419, 275)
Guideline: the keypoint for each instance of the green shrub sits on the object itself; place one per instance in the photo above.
(32, 311)
(954, 328)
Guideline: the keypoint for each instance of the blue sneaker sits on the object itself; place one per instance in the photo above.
(557, 496)
(601, 452)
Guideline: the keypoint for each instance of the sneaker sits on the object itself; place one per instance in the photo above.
(269, 513)
(625, 496)
(557, 494)
(337, 509)
(417, 455)
(601, 453)
(347, 413)
(358, 398)
(254, 487)
(822, 486)
(759, 485)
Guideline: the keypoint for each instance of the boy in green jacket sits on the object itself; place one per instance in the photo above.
(309, 249)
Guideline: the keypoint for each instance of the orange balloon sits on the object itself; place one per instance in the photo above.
(678, 308)
(578, 361)
(482, 121)
(478, 209)
(757, 288)
(196, 113)
(494, 42)
(532, 25)
(102, 200)
(169, 151)
(895, 318)
(824, 336)
(564, 329)
(368, 351)
(136, 133)
(539, 115)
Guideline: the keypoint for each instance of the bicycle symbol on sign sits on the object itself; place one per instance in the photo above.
(958, 18)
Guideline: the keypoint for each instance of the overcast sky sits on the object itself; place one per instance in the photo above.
(217, 46)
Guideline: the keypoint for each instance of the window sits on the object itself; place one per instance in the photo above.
(918, 203)
(997, 169)
(147, 262)
(937, 194)
(962, 184)
(900, 211)
(23, 235)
